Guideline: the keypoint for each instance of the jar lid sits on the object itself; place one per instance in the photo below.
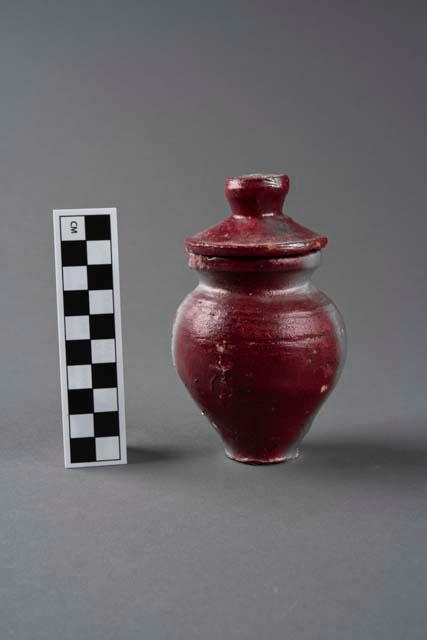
(257, 227)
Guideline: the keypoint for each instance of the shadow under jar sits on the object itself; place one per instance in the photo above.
(257, 345)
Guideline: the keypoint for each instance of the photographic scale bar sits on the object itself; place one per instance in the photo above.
(90, 337)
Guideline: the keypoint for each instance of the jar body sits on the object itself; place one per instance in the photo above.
(259, 348)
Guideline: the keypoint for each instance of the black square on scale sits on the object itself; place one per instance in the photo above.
(78, 352)
(80, 401)
(104, 375)
(73, 253)
(82, 450)
(102, 326)
(98, 227)
(100, 276)
(106, 424)
(76, 303)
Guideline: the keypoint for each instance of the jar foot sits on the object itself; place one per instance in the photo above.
(290, 455)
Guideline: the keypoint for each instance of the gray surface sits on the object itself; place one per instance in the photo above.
(148, 108)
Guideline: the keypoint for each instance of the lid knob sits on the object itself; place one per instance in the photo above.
(256, 194)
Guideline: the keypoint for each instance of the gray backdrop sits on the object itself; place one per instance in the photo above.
(148, 106)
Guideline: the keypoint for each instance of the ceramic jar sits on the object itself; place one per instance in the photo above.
(257, 345)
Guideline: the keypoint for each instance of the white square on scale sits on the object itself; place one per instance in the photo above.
(98, 252)
(79, 376)
(73, 228)
(107, 448)
(101, 301)
(103, 351)
(77, 328)
(105, 400)
(81, 425)
(75, 278)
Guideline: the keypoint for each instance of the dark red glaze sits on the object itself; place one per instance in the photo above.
(257, 345)
(257, 227)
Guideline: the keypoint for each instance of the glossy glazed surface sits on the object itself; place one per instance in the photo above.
(257, 226)
(257, 345)
(258, 351)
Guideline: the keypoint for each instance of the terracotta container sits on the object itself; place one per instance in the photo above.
(257, 345)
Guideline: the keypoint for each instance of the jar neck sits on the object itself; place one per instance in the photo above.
(244, 274)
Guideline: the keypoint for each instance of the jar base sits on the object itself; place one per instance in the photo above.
(290, 455)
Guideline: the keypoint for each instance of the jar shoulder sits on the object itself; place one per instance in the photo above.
(259, 315)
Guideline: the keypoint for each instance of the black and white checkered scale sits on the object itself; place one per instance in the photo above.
(90, 341)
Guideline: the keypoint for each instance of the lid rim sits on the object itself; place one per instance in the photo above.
(209, 248)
